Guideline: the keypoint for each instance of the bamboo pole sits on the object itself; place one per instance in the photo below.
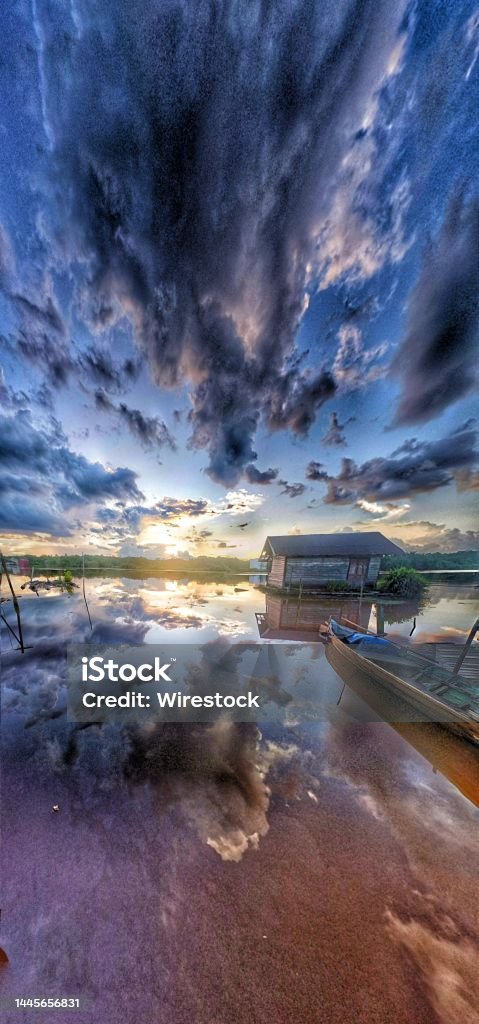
(15, 603)
(9, 627)
(84, 595)
(466, 647)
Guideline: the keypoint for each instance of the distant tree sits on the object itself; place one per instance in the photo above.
(141, 566)
(433, 560)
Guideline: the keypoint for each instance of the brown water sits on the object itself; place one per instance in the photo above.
(314, 873)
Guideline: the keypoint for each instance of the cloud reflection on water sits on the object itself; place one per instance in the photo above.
(135, 801)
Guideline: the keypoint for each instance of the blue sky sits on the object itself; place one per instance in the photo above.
(239, 273)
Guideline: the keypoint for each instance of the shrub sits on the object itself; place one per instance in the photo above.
(403, 582)
(333, 586)
(68, 577)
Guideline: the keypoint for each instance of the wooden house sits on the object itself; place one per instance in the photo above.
(310, 560)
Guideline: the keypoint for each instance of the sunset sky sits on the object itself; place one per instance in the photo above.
(239, 273)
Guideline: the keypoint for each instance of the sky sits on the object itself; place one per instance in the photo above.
(239, 274)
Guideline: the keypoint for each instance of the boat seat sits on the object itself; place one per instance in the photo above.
(458, 700)
(415, 677)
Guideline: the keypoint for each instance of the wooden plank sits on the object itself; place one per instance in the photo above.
(312, 571)
(276, 576)
(373, 569)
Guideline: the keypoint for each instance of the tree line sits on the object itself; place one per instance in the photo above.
(205, 563)
(423, 560)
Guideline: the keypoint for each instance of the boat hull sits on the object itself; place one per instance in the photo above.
(344, 658)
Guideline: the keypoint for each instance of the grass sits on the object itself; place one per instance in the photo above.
(335, 586)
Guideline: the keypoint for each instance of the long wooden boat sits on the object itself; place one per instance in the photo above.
(433, 693)
(446, 752)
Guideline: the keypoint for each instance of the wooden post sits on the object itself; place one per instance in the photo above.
(379, 620)
(298, 602)
(15, 603)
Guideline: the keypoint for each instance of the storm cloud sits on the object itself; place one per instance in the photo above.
(149, 431)
(257, 476)
(196, 146)
(99, 367)
(43, 479)
(334, 435)
(438, 358)
(291, 490)
(316, 471)
(415, 467)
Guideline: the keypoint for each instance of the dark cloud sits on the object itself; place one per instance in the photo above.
(131, 368)
(292, 490)
(257, 476)
(96, 364)
(47, 317)
(102, 401)
(316, 471)
(172, 508)
(150, 431)
(47, 354)
(415, 467)
(196, 536)
(91, 481)
(42, 478)
(21, 514)
(334, 434)
(9, 398)
(41, 334)
(359, 309)
(43, 397)
(438, 359)
(296, 399)
(195, 146)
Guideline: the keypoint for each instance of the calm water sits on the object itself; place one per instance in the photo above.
(320, 872)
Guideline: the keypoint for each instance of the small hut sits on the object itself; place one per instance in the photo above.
(310, 560)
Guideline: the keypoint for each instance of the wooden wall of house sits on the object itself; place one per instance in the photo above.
(276, 574)
(373, 568)
(311, 571)
(274, 607)
(291, 613)
(303, 614)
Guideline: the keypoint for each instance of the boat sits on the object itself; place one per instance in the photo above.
(446, 752)
(429, 689)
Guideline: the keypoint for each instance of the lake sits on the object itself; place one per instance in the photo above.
(318, 870)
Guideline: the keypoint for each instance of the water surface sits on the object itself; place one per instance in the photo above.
(317, 872)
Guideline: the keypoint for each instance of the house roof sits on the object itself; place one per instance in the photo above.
(314, 545)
